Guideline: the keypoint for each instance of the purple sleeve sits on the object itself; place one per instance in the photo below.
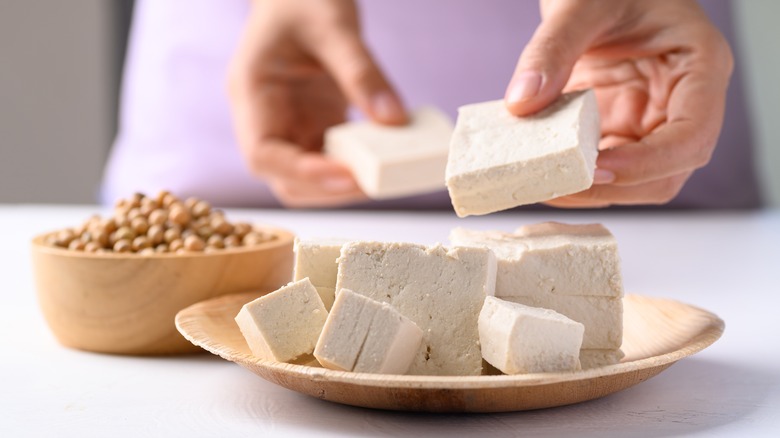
(175, 128)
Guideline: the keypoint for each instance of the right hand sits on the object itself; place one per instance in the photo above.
(660, 70)
(298, 64)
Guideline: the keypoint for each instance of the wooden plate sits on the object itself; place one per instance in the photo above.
(657, 333)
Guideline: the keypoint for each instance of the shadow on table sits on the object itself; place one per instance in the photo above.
(692, 396)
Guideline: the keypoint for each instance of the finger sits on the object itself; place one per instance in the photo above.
(291, 197)
(317, 181)
(280, 160)
(684, 143)
(358, 75)
(315, 169)
(566, 203)
(655, 192)
(309, 179)
(548, 59)
(610, 141)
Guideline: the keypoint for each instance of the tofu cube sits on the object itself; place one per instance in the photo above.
(366, 336)
(316, 259)
(284, 324)
(394, 161)
(439, 289)
(499, 161)
(521, 339)
(601, 316)
(551, 259)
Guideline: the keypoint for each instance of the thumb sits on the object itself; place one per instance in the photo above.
(544, 67)
(360, 78)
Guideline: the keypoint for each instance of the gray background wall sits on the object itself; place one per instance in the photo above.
(760, 48)
(59, 72)
(57, 80)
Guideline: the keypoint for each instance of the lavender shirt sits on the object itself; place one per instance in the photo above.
(175, 129)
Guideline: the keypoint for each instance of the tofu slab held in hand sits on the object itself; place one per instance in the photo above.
(394, 161)
(499, 161)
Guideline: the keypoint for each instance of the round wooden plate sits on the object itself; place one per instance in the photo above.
(657, 333)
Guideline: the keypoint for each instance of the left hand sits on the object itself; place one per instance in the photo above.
(660, 70)
(298, 64)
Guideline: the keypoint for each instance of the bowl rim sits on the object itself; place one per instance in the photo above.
(283, 237)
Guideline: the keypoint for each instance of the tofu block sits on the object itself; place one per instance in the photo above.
(440, 289)
(284, 324)
(551, 259)
(601, 316)
(499, 161)
(594, 358)
(394, 161)
(521, 339)
(367, 336)
(316, 259)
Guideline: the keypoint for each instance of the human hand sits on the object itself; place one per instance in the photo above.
(297, 66)
(660, 71)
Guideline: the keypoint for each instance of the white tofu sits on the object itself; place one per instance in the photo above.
(284, 324)
(499, 161)
(394, 161)
(593, 358)
(551, 259)
(601, 316)
(520, 339)
(439, 289)
(316, 259)
(364, 335)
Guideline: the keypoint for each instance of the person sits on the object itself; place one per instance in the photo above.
(660, 68)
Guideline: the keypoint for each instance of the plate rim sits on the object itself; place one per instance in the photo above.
(708, 335)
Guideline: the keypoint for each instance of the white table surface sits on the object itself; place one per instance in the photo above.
(728, 263)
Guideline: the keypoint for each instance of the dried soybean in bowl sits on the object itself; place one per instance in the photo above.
(162, 224)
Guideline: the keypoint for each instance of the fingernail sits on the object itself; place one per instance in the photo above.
(386, 108)
(526, 86)
(603, 176)
(338, 184)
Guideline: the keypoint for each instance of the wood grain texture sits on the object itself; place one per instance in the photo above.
(126, 303)
(657, 333)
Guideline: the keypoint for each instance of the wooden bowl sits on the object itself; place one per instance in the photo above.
(126, 303)
(657, 333)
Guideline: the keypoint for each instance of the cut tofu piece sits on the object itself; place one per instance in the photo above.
(367, 336)
(316, 259)
(284, 324)
(521, 339)
(499, 161)
(394, 161)
(551, 259)
(440, 289)
(601, 316)
(592, 358)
